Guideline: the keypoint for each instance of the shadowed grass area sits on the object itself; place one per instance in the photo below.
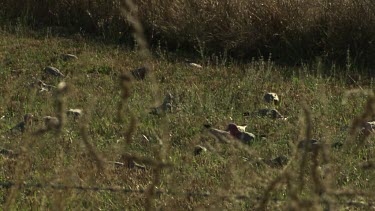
(237, 176)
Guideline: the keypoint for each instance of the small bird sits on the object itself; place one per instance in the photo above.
(245, 137)
(272, 113)
(23, 126)
(271, 97)
(74, 112)
(309, 145)
(199, 150)
(51, 122)
(368, 128)
(53, 71)
(44, 87)
(140, 73)
(165, 107)
(275, 114)
(67, 57)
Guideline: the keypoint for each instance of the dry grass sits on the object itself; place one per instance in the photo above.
(102, 160)
(292, 31)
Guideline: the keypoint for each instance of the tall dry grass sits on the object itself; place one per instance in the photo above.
(290, 30)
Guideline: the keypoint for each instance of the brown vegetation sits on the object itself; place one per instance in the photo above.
(290, 30)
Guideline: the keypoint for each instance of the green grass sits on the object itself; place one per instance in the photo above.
(216, 94)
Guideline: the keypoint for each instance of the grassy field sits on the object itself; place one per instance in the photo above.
(74, 167)
(118, 155)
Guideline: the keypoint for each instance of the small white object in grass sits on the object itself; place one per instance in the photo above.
(53, 71)
(145, 138)
(242, 128)
(198, 149)
(191, 64)
(61, 86)
(69, 56)
(134, 164)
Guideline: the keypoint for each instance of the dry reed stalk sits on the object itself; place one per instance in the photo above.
(284, 177)
(125, 85)
(305, 155)
(99, 161)
(22, 167)
(62, 89)
(132, 15)
(24, 162)
(131, 129)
